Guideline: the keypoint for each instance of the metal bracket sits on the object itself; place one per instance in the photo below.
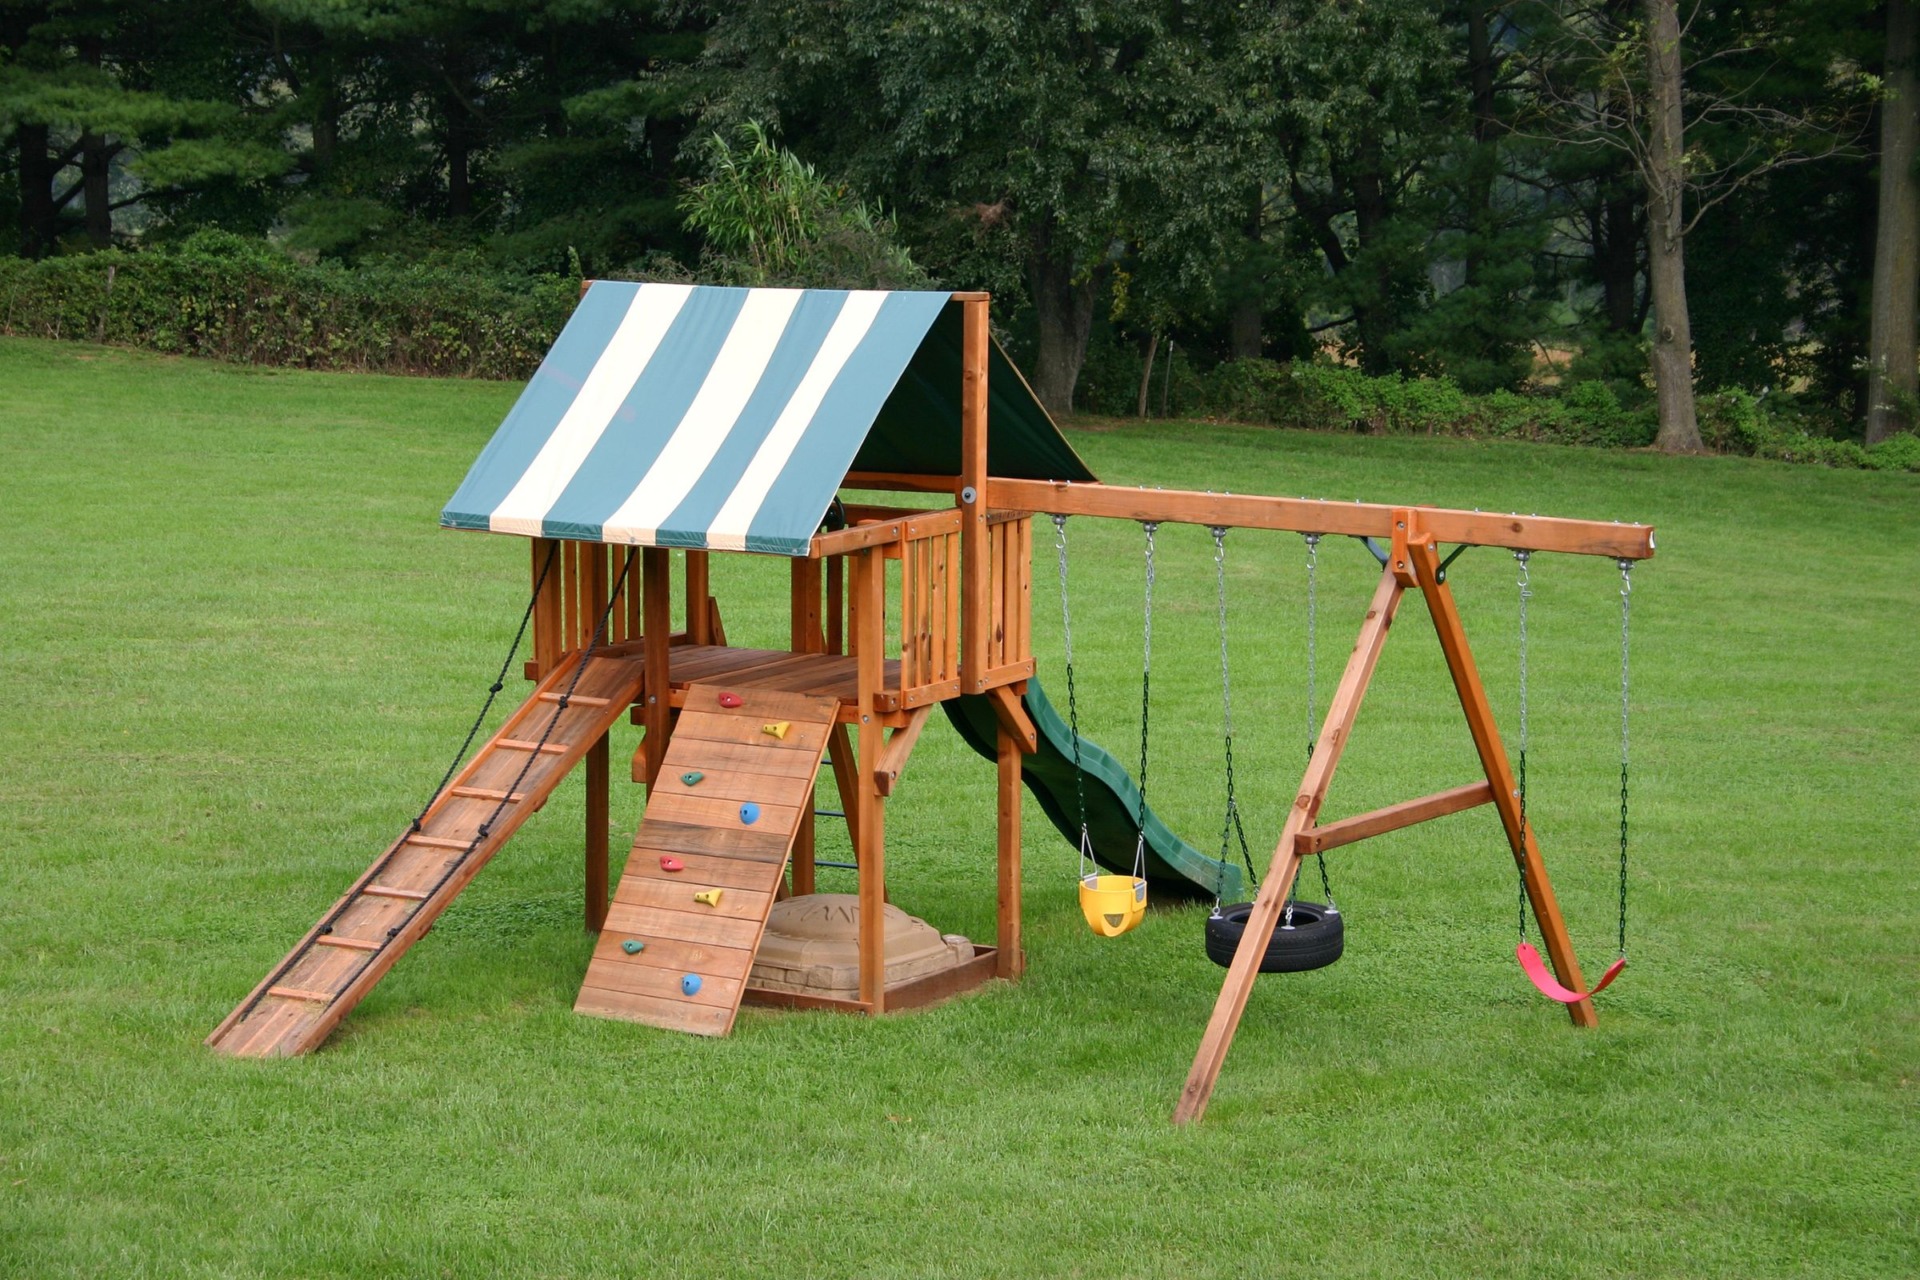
(1451, 557)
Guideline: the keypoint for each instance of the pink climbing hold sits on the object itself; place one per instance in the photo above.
(729, 699)
(671, 864)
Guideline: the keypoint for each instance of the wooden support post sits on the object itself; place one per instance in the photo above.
(656, 609)
(840, 748)
(976, 568)
(1011, 962)
(836, 604)
(803, 853)
(547, 644)
(1493, 758)
(699, 621)
(804, 631)
(1334, 731)
(869, 584)
(598, 818)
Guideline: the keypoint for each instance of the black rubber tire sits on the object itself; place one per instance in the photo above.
(1317, 939)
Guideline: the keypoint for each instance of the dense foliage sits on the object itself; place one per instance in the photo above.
(1457, 191)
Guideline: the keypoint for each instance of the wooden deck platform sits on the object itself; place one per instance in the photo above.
(819, 674)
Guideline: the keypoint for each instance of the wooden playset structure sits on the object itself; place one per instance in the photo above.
(725, 420)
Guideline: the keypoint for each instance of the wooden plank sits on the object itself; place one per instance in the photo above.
(722, 784)
(691, 664)
(301, 993)
(1334, 731)
(1011, 959)
(674, 954)
(1452, 634)
(679, 837)
(719, 988)
(705, 870)
(741, 758)
(1307, 515)
(666, 805)
(676, 1014)
(340, 940)
(1393, 817)
(522, 744)
(840, 747)
(920, 993)
(440, 842)
(389, 891)
(869, 586)
(487, 793)
(975, 561)
(699, 576)
(1012, 717)
(804, 630)
(836, 605)
(802, 737)
(902, 482)
(860, 537)
(574, 699)
(706, 929)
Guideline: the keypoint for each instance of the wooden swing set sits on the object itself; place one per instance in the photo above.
(903, 379)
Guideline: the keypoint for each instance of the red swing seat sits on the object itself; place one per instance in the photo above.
(1541, 977)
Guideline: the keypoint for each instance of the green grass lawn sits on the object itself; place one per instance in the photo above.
(238, 652)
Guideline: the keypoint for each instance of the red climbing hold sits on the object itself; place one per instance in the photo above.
(668, 863)
(729, 699)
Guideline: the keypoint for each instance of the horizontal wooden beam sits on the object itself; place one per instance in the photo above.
(900, 482)
(1392, 818)
(861, 536)
(1309, 515)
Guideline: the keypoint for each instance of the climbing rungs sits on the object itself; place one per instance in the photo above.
(439, 842)
(301, 993)
(572, 698)
(389, 891)
(520, 744)
(486, 793)
(351, 944)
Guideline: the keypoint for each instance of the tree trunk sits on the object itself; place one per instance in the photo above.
(1146, 375)
(459, 153)
(1891, 372)
(1672, 355)
(1619, 266)
(1373, 302)
(1244, 335)
(1483, 165)
(38, 217)
(1063, 308)
(96, 160)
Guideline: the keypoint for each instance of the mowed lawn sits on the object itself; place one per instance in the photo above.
(238, 653)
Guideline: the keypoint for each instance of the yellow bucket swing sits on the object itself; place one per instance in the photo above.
(1111, 904)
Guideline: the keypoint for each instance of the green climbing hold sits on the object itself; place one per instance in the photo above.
(633, 946)
(692, 778)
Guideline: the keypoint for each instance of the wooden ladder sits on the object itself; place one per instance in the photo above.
(700, 825)
(394, 903)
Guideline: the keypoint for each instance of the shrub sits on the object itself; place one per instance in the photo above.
(230, 298)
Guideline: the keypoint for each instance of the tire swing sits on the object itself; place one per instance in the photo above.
(1111, 904)
(1310, 935)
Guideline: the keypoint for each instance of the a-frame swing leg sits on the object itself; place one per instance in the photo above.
(1272, 897)
(1493, 758)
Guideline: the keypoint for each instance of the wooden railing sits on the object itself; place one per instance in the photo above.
(929, 613)
(574, 595)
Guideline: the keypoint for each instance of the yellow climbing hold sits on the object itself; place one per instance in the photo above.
(708, 897)
(777, 729)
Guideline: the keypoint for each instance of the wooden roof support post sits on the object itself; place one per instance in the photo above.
(1334, 731)
(1010, 961)
(976, 568)
(699, 618)
(656, 620)
(547, 645)
(598, 772)
(1493, 758)
(869, 641)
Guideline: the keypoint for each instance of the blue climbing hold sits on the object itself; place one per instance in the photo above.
(633, 946)
(690, 984)
(749, 813)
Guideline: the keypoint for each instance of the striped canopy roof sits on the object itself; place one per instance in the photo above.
(679, 416)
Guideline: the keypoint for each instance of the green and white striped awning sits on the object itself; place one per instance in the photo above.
(680, 416)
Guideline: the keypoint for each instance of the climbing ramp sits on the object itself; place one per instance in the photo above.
(666, 957)
(390, 907)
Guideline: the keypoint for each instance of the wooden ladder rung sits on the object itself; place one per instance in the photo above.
(521, 744)
(351, 944)
(301, 993)
(389, 891)
(486, 793)
(438, 842)
(580, 698)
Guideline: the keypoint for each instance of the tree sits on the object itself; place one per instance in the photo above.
(1891, 375)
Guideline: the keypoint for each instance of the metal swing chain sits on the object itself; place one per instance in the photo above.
(1313, 708)
(1230, 824)
(1526, 594)
(1146, 705)
(1073, 705)
(1626, 615)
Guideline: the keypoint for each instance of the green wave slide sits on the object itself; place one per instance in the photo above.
(1113, 801)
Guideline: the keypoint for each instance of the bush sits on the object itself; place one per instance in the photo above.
(226, 297)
